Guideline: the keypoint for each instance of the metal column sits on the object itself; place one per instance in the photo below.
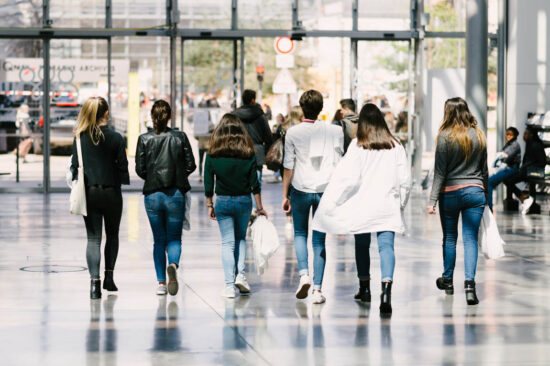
(173, 15)
(242, 65)
(353, 72)
(234, 20)
(476, 60)
(46, 151)
(109, 24)
(182, 65)
(417, 120)
(501, 71)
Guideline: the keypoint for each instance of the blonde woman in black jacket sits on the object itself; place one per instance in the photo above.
(164, 160)
(105, 169)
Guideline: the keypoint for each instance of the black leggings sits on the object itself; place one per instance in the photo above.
(515, 178)
(103, 203)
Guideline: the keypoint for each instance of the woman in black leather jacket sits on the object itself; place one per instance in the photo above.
(164, 159)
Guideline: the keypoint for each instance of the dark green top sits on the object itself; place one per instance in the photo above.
(233, 177)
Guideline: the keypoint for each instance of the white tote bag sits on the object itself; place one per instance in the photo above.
(265, 242)
(78, 190)
(489, 240)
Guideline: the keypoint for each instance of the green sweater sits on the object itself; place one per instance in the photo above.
(233, 177)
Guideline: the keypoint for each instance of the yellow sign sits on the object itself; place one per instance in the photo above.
(133, 128)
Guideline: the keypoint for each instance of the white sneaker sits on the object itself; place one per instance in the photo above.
(317, 297)
(242, 284)
(161, 290)
(229, 292)
(303, 287)
(527, 203)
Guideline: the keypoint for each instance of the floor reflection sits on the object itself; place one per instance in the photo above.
(166, 334)
(102, 341)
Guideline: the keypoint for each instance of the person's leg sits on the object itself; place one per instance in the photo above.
(387, 255)
(112, 215)
(362, 255)
(224, 216)
(157, 219)
(319, 250)
(243, 209)
(448, 214)
(511, 182)
(473, 204)
(174, 207)
(94, 226)
(496, 179)
(300, 218)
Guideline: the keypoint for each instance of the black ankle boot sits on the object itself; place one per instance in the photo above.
(364, 291)
(108, 282)
(385, 298)
(470, 289)
(445, 284)
(95, 289)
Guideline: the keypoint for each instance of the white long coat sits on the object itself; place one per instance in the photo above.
(366, 193)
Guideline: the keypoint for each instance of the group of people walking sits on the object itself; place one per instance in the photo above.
(352, 180)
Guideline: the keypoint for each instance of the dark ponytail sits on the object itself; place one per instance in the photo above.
(160, 114)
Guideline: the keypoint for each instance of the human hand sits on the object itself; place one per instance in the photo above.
(286, 205)
(211, 213)
(431, 210)
(261, 212)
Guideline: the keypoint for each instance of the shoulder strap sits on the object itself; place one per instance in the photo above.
(79, 152)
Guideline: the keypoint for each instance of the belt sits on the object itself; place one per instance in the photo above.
(102, 186)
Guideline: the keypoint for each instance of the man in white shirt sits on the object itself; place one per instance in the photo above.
(312, 151)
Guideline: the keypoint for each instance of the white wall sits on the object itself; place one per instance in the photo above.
(528, 66)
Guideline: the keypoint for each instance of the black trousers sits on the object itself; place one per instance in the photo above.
(103, 204)
(520, 176)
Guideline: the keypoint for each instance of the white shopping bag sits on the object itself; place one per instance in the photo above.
(489, 240)
(265, 242)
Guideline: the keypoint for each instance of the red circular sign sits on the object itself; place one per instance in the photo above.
(284, 45)
(259, 69)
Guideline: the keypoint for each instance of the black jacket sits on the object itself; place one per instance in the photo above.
(534, 154)
(164, 161)
(105, 163)
(256, 124)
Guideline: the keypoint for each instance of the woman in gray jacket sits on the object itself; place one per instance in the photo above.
(460, 186)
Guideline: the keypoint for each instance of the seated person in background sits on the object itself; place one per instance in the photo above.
(533, 159)
(509, 159)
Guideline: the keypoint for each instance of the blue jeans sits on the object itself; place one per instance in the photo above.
(233, 215)
(497, 178)
(301, 203)
(166, 211)
(470, 201)
(385, 249)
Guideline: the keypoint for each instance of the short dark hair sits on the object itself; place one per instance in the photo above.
(160, 114)
(248, 96)
(348, 104)
(513, 130)
(311, 103)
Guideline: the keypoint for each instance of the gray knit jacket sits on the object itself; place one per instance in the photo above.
(451, 167)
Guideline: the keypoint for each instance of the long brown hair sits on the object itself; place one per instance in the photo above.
(91, 114)
(230, 139)
(160, 114)
(457, 121)
(372, 131)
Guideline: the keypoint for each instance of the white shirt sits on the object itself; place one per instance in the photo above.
(313, 150)
(366, 193)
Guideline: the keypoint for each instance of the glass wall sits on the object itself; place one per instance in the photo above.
(21, 113)
(326, 14)
(78, 14)
(384, 15)
(205, 14)
(21, 14)
(265, 14)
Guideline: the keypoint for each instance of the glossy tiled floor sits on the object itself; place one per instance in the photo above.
(48, 319)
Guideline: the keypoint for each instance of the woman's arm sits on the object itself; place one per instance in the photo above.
(122, 162)
(440, 170)
(141, 159)
(404, 176)
(190, 164)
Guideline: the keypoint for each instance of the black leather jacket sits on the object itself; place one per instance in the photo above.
(164, 161)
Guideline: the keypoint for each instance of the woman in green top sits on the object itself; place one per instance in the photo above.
(231, 164)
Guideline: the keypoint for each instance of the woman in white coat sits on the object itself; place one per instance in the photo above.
(366, 194)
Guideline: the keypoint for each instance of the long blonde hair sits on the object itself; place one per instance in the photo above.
(296, 115)
(91, 114)
(457, 121)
